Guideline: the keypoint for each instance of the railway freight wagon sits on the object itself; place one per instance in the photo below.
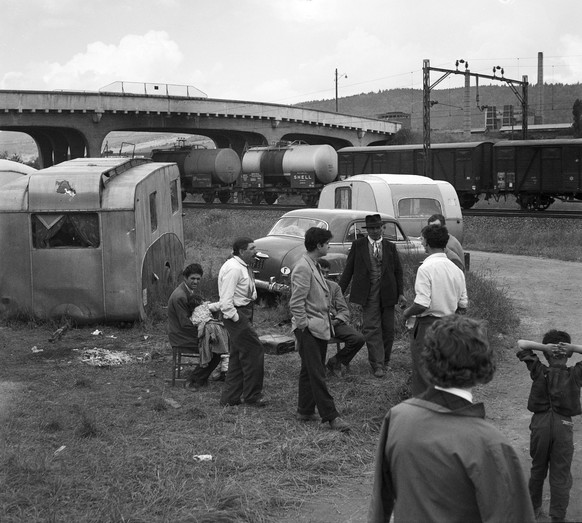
(466, 166)
(91, 239)
(209, 172)
(538, 171)
(289, 168)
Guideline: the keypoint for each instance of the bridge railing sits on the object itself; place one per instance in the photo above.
(159, 89)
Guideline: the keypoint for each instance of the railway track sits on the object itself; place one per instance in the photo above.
(498, 213)
(241, 206)
(519, 213)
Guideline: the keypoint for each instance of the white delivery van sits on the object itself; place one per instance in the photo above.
(409, 198)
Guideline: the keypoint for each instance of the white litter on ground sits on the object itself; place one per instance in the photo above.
(104, 358)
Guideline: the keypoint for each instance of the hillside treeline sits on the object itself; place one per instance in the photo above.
(448, 113)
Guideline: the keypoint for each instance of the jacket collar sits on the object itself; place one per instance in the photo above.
(317, 273)
(473, 410)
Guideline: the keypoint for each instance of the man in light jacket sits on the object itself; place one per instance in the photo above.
(310, 307)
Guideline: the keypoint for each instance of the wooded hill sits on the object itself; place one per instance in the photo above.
(448, 113)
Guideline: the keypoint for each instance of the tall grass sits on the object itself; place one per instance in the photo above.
(546, 237)
(129, 454)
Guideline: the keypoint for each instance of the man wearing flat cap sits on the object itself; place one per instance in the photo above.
(373, 267)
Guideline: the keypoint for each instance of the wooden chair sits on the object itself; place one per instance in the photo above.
(177, 354)
(336, 342)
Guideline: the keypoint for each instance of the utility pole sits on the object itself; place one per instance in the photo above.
(336, 81)
(426, 117)
(426, 102)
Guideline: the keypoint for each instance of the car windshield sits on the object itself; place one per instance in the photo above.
(295, 226)
(391, 231)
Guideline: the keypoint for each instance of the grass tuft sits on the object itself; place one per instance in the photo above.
(87, 427)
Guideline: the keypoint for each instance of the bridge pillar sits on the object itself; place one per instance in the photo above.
(45, 149)
(60, 147)
(239, 142)
(77, 143)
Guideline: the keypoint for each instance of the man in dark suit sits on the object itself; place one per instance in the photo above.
(373, 267)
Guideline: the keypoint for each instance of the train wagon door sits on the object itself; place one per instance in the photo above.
(67, 268)
(444, 166)
(551, 170)
(571, 165)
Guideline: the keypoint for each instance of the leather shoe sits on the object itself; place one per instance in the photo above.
(306, 417)
(339, 424)
(256, 404)
(379, 373)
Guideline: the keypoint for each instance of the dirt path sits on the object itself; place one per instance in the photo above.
(547, 294)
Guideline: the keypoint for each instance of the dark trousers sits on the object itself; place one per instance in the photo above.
(200, 375)
(353, 342)
(313, 390)
(551, 445)
(378, 328)
(244, 378)
(419, 381)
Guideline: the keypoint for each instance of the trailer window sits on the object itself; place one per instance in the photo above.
(52, 230)
(343, 198)
(174, 196)
(153, 211)
(413, 207)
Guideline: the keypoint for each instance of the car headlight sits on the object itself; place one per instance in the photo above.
(285, 271)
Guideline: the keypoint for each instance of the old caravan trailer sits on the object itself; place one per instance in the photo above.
(409, 198)
(11, 170)
(92, 239)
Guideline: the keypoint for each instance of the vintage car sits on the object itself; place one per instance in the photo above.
(283, 246)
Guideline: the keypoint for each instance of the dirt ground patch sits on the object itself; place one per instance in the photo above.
(547, 294)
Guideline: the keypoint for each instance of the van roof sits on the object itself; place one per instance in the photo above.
(394, 179)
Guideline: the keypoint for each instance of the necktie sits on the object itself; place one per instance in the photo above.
(252, 282)
(377, 252)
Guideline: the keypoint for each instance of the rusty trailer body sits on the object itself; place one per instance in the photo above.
(92, 239)
(11, 170)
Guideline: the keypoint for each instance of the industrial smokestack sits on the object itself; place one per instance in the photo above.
(539, 118)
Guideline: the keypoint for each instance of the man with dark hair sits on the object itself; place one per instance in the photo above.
(440, 290)
(182, 332)
(374, 270)
(454, 249)
(310, 308)
(342, 331)
(438, 459)
(236, 287)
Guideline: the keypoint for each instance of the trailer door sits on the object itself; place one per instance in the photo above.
(67, 269)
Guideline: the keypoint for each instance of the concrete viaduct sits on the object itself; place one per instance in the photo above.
(71, 124)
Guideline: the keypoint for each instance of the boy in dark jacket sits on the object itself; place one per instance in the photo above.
(554, 398)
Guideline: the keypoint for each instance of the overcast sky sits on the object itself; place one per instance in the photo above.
(282, 51)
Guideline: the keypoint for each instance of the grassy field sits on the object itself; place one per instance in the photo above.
(116, 443)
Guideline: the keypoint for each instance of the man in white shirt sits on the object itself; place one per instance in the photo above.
(440, 290)
(236, 287)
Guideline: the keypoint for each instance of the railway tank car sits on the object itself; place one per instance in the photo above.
(209, 172)
(290, 168)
